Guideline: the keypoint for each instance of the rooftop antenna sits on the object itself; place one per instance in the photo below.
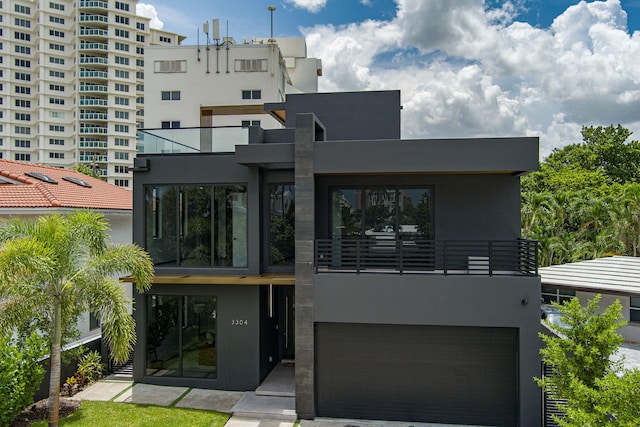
(205, 29)
(198, 44)
(215, 29)
(271, 9)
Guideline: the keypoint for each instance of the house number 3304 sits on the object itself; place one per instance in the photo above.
(239, 322)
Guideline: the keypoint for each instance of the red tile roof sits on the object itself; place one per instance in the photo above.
(30, 192)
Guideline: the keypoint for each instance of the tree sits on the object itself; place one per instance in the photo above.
(596, 390)
(56, 267)
(86, 169)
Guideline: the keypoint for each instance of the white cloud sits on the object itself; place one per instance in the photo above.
(465, 70)
(149, 11)
(312, 6)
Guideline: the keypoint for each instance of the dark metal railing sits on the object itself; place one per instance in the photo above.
(485, 257)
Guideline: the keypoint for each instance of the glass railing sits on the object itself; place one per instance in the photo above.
(94, 46)
(93, 144)
(191, 140)
(93, 60)
(94, 32)
(93, 158)
(93, 88)
(94, 18)
(94, 102)
(93, 116)
(93, 129)
(94, 74)
(100, 4)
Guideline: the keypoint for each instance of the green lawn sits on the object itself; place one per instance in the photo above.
(112, 414)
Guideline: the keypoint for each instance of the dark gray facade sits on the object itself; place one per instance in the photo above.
(416, 239)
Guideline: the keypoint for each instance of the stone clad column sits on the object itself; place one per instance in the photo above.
(305, 136)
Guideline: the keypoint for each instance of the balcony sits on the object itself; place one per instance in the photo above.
(93, 88)
(93, 74)
(93, 158)
(94, 32)
(447, 257)
(93, 144)
(191, 140)
(93, 102)
(94, 46)
(94, 130)
(93, 60)
(94, 5)
(93, 116)
(94, 18)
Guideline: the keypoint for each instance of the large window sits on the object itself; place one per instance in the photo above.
(181, 336)
(197, 225)
(382, 213)
(282, 218)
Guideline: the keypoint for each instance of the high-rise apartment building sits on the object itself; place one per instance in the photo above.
(72, 82)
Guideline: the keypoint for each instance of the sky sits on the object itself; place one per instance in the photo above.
(465, 68)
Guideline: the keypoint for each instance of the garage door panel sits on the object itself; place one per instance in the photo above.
(417, 373)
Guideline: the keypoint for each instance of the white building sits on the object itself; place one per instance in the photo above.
(224, 83)
(71, 82)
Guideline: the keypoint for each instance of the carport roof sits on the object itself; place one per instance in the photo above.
(610, 275)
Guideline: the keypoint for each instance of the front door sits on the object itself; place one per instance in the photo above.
(286, 322)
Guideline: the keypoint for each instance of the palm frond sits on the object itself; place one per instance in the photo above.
(110, 305)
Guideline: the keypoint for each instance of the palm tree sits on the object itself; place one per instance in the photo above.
(56, 267)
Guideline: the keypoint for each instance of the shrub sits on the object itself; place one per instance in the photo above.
(20, 374)
(90, 367)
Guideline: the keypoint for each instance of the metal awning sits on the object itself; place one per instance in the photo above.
(611, 275)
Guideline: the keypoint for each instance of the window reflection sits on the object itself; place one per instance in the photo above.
(282, 224)
(382, 213)
(186, 351)
(196, 225)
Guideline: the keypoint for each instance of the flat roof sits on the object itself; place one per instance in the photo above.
(609, 275)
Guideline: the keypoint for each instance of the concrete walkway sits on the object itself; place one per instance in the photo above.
(244, 406)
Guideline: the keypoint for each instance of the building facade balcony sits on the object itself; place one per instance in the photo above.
(93, 130)
(93, 102)
(94, 74)
(93, 88)
(93, 143)
(454, 257)
(94, 5)
(93, 158)
(94, 60)
(192, 140)
(94, 115)
(94, 32)
(93, 46)
(94, 19)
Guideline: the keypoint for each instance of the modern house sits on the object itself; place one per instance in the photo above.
(72, 82)
(390, 271)
(614, 278)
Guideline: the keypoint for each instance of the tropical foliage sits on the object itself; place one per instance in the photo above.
(596, 389)
(584, 202)
(56, 267)
(20, 374)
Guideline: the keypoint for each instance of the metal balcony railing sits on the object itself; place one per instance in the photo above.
(494, 257)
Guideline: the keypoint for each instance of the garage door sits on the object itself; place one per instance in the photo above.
(461, 375)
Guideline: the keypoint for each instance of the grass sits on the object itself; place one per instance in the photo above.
(114, 414)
